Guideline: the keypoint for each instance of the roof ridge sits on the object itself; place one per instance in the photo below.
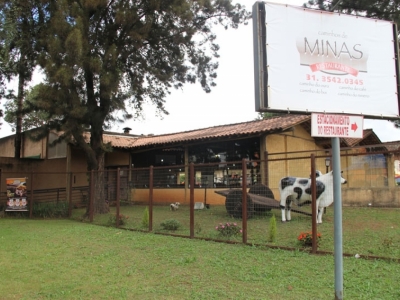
(222, 125)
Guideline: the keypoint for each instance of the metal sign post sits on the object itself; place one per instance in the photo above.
(337, 206)
(303, 66)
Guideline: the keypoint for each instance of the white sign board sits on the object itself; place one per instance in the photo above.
(344, 126)
(316, 61)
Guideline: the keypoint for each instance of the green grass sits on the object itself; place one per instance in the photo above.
(366, 231)
(64, 259)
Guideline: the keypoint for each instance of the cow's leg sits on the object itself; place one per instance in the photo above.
(283, 213)
(283, 205)
(288, 208)
(288, 216)
(320, 211)
(319, 215)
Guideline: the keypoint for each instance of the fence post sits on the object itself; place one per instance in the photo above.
(69, 195)
(313, 205)
(31, 202)
(117, 200)
(91, 198)
(151, 198)
(244, 201)
(191, 180)
(266, 168)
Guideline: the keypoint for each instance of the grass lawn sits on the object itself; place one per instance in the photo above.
(366, 231)
(65, 259)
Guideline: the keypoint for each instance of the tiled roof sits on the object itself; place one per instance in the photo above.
(117, 140)
(252, 128)
(369, 138)
(392, 146)
(120, 141)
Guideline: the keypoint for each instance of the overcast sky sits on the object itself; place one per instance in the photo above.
(231, 101)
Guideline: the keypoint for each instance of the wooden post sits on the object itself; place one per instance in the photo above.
(69, 195)
(117, 200)
(31, 200)
(266, 169)
(91, 198)
(151, 198)
(191, 200)
(244, 201)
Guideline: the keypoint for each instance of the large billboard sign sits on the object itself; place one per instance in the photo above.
(315, 61)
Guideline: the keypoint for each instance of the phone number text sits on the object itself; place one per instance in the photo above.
(334, 79)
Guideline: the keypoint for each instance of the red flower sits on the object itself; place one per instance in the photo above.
(306, 237)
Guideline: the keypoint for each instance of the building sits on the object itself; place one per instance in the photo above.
(281, 138)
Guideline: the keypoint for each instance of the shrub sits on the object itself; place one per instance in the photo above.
(305, 238)
(145, 218)
(272, 229)
(170, 224)
(50, 209)
(228, 229)
(113, 220)
(197, 228)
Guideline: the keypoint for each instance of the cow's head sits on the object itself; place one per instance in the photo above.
(317, 174)
(342, 180)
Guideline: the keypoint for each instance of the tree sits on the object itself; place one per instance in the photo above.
(21, 23)
(32, 118)
(267, 115)
(377, 9)
(104, 57)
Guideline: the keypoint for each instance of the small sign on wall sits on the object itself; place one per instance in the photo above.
(16, 194)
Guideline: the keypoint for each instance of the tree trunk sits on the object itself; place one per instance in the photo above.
(99, 203)
(18, 133)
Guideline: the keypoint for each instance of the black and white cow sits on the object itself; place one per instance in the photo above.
(299, 189)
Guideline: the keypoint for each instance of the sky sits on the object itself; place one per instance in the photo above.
(230, 102)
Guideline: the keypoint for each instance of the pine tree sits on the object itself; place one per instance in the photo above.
(103, 59)
(21, 24)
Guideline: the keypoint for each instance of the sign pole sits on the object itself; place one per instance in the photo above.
(337, 204)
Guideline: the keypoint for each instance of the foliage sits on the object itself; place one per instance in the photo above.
(112, 221)
(145, 218)
(21, 27)
(32, 119)
(272, 229)
(228, 229)
(171, 224)
(102, 60)
(305, 238)
(267, 115)
(50, 209)
(385, 10)
(197, 228)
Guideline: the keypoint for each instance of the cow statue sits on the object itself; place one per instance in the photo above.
(299, 189)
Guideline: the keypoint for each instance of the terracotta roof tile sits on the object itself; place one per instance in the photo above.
(392, 146)
(120, 141)
(117, 140)
(368, 135)
(240, 129)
